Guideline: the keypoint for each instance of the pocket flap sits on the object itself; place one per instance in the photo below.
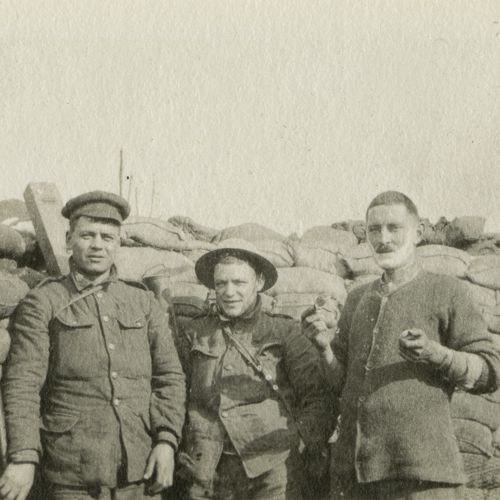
(58, 423)
(75, 319)
(131, 320)
(261, 350)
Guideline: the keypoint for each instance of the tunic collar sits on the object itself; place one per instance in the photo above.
(399, 278)
(81, 283)
(248, 317)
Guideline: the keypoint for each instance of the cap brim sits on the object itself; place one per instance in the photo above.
(205, 265)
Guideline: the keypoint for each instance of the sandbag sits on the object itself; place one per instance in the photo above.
(277, 252)
(464, 229)
(441, 259)
(473, 437)
(327, 238)
(13, 210)
(483, 297)
(134, 262)
(294, 304)
(12, 244)
(250, 232)
(4, 344)
(182, 289)
(485, 271)
(475, 407)
(357, 227)
(195, 254)
(12, 290)
(434, 234)
(360, 261)
(156, 233)
(307, 280)
(316, 258)
(491, 316)
(189, 226)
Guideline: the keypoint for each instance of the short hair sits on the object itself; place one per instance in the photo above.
(73, 222)
(230, 258)
(393, 198)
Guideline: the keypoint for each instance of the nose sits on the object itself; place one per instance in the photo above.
(97, 241)
(229, 290)
(385, 236)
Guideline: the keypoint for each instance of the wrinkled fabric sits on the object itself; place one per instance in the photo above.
(91, 382)
(395, 414)
(232, 408)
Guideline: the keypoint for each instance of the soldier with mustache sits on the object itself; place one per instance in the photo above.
(404, 343)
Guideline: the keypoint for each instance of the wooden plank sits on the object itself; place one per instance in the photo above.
(44, 205)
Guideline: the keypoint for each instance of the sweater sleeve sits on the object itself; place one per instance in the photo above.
(467, 333)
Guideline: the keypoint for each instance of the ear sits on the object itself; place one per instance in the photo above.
(420, 231)
(260, 282)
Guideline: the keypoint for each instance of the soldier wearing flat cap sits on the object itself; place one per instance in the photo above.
(93, 387)
(255, 387)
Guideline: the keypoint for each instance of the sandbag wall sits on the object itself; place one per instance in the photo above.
(326, 262)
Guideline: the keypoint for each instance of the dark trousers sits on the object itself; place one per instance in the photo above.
(283, 482)
(347, 488)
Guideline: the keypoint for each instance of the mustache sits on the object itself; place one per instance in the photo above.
(384, 249)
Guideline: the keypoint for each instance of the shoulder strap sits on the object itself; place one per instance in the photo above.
(258, 368)
(79, 297)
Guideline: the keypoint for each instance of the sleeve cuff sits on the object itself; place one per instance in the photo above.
(24, 456)
(166, 437)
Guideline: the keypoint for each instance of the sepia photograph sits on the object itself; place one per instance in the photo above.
(249, 250)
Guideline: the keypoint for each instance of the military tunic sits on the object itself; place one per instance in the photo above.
(92, 380)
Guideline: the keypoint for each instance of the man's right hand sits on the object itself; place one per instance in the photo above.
(319, 326)
(16, 481)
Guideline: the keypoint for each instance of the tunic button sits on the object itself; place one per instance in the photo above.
(111, 347)
(99, 295)
(275, 387)
(116, 402)
(105, 318)
(114, 374)
(268, 377)
(375, 331)
(362, 399)
(224, 414)
(259, 368)
(228, 367)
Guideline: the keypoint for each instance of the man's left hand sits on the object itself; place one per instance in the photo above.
(415, 345)
(160, 466)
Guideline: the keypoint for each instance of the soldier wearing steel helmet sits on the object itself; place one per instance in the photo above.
(93, 387)
(255, 387)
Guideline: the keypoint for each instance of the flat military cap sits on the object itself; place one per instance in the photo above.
(241, 249)
(98, 204)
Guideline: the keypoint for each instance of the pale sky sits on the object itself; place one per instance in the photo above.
(289, 113)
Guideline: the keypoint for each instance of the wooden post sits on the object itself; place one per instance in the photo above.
(44, 205)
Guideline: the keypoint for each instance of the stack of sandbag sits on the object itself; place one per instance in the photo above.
(298, 288)
(156, 233)
(135, 262)
(270, 244)
(442, 259)
(484, 273)
(357, 227)
(17, 234)
(317, 258)
(189, 226)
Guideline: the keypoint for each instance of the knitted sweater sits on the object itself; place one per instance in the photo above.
(395, 414)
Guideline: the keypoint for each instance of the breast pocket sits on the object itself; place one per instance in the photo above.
(134, 332)
(269, 355)
(75, 344)
(205, 367)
